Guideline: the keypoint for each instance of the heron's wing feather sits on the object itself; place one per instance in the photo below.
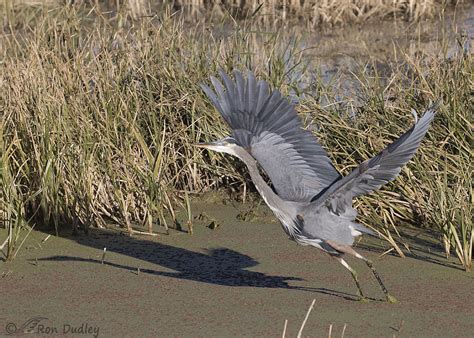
(373, 173)
(266, 124)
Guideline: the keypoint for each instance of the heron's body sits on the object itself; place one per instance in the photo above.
(312, 200)
(306, 222)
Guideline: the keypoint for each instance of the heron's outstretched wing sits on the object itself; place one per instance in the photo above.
(373, 173)
(267, 126)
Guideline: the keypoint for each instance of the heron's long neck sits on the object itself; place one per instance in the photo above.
(278, 206)
(265, 191)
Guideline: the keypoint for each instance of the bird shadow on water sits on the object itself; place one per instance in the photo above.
(219, 266)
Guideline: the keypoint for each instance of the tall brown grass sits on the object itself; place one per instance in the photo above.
(98, 118)
(275, 12)
(316, 13)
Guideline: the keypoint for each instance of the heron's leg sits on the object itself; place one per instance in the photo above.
(354, 275)
(349, 250)
(369, 263)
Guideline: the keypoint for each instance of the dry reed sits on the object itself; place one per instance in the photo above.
(274, 12)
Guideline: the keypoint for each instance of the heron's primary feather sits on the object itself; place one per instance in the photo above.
(266, 124)
(381, 169)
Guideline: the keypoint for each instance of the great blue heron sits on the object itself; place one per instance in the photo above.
(312, 201)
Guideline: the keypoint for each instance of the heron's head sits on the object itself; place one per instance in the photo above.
(226, 145)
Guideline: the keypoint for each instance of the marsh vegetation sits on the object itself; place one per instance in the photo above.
(99, 114)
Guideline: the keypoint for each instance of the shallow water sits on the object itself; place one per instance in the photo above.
(348, 48)
(242, 279)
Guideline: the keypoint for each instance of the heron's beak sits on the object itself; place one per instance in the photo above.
(214, 146)
(203, 145)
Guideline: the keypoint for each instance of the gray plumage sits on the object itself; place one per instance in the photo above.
(312, 200)
(266, 125)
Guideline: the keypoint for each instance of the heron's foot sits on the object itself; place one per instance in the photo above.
(391, 299)
(364, 299)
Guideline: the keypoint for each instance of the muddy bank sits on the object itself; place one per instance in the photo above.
(243, 278)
